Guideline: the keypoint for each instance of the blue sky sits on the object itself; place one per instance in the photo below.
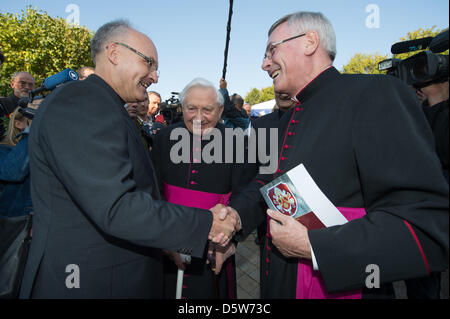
(190, 34)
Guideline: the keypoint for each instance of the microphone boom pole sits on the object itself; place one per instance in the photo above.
(230, 14)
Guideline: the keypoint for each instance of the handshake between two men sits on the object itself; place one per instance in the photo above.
(226, 223)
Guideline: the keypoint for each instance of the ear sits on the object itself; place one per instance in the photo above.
(312, 42)
(220, 111)
(20, 124)
(112, 53)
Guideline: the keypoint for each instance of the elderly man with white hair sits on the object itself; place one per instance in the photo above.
(201, 177)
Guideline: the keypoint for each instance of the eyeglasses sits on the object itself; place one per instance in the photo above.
(272, 46)
(150, 62)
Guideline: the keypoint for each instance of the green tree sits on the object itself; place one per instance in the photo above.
(362, 63)
(253, 97)
(256, 96)
(41, 45)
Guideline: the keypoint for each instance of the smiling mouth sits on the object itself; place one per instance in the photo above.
(145, 85)
(275, 74)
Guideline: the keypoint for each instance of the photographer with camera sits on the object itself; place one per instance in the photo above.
(435, 108)
(427, 73)
(15, 198)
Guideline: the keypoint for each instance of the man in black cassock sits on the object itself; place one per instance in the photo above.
(198, 182)
(366, 143)
(269, 121)
(99, 224)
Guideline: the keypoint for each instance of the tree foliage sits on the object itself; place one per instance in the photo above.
(41, 45)
(256, 96)
(362, 63)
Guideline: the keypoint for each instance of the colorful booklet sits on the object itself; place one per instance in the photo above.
(296, 194)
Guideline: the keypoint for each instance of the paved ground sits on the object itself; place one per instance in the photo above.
(247, 273)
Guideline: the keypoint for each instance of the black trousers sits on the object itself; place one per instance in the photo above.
(424, 288)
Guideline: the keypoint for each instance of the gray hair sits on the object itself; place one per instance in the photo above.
(201, 83)
(306, 21)
(106, 33)
(20, 72)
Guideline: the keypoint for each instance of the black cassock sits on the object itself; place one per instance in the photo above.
(196, 183)
(366, 143)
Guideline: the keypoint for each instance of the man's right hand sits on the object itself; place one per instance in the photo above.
(223, 227)
(223, 83)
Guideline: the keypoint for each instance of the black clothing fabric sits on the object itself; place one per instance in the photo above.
(209, 178)
(366, 143)
(97, 203)
(438, 117)
(14, 100)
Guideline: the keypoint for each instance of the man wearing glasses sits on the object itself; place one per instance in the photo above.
(22, 84)
(367, 146)
(99, 225)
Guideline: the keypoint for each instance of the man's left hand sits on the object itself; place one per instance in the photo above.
(289, 236)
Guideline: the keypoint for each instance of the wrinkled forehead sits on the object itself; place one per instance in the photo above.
(202, 95)
(154, 98)
(24, 77)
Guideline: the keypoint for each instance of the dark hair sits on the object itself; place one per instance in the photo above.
(236, 99)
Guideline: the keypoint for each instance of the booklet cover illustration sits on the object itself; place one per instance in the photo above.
(296, 194)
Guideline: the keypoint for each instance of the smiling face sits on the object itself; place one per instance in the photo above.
(284, 63)
(132, 73)
(201, 108)
(22, 84)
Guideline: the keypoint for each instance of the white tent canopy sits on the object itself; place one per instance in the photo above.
(263, 108)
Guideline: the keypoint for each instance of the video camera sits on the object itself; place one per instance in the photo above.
(423, 68)
(49, 84)
(171, 109)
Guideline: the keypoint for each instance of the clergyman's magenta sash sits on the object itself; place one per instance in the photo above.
(192, 198)
(203, 200)
(310, 284)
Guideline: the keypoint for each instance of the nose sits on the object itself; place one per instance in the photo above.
(154, 76)
(267, 62)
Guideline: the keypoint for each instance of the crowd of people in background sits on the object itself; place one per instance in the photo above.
(203, 187)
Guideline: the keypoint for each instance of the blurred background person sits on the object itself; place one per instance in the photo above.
(154, 108)
(248, 109)
(233, 115)
(22, 83)
(138, 114)
(15, 195)
(435, 108)
(84, 72)
(434, 99)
